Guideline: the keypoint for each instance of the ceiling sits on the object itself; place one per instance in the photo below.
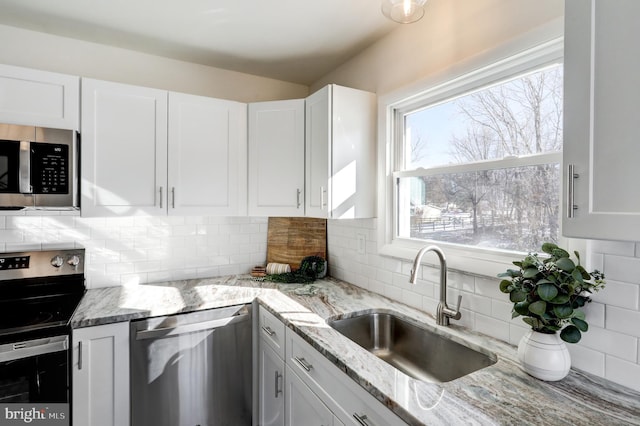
(292, 40)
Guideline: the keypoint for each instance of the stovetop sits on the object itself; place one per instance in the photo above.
(39, 292)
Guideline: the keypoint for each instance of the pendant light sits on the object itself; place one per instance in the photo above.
(403, 11)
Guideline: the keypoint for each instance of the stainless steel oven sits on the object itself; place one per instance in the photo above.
(39, 292)
(38, 167)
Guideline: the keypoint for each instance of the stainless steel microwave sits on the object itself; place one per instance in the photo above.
(38, 168)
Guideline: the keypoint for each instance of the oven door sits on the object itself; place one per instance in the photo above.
(35, 371)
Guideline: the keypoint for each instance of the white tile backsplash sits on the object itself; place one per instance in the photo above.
(609, 349)
(136, 250)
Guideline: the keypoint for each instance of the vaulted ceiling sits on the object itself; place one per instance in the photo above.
(292, 40)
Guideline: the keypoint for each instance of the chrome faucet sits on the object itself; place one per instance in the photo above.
(444, 312)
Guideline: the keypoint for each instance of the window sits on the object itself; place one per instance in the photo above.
(476, 161)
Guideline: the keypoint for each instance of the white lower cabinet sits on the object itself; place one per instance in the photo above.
(101, 375)
(316, 392)
(271, 391)
(303, 407)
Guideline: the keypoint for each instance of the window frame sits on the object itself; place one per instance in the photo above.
(474, 74)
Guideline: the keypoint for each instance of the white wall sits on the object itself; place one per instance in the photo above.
(451, 36)
(65, 55)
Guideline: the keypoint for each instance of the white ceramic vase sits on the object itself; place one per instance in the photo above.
(544, 356)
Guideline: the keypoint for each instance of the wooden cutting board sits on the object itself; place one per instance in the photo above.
(290, 239)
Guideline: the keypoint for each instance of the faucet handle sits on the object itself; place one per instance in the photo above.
(459, 302)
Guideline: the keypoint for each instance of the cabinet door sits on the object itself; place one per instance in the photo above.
(318, 134)
(303, 407)
(353, 159)
(271, 391)
(39, 98)
(340, 153)
(101, 375)
(124, 149)
(276, 158)
(207, 156)
(601, 120)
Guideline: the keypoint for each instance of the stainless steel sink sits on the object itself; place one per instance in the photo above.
(413, 349)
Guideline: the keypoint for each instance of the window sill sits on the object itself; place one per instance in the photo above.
(486, 263)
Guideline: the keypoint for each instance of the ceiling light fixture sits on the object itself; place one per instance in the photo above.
(403, 11)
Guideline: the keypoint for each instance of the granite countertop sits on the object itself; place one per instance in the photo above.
(499, 394)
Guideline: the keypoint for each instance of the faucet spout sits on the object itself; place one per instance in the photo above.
(444, 312)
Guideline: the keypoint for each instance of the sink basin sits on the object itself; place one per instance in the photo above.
(411, 348)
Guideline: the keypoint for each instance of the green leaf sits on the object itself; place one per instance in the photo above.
(548, 247)
(566, 264)
(560, 253)
(560, 299)
(514, 314)
(580, 324)
(563, 311)
(577, 275)
(504, 286)
(522, 308)
(517, 263)
(535, 323)
(530, 272)
(547, 291)
(538, 307)
(518, 296)
(571, 334)
(577, 313)
(510, 273)
(585, 274)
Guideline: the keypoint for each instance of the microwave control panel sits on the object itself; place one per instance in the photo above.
(49, 168)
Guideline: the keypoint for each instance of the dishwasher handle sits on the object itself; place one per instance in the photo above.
(155, 333)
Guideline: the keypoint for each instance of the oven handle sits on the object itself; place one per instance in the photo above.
(20, 350)
(190, 328)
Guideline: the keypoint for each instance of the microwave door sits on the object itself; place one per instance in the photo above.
(9, 174)
(25, 168)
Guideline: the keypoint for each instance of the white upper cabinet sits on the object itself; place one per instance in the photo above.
(276, 158)
(340, 159)
(601, 127)
(124, 149)
(149, 152)
(39, 98)
(207, 156)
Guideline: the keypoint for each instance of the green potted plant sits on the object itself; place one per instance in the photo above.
(549, 292)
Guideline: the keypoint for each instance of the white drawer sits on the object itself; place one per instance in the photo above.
(272, 331)
(342, 395)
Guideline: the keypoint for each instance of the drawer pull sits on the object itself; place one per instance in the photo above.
(362, 419)
(277, 380)
(303, 363)
(268, 330)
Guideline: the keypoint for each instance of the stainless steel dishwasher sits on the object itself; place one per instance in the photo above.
(192, 369)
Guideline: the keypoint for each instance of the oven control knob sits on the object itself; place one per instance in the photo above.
(74, 260)
(57, 261)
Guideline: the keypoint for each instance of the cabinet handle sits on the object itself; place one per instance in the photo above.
(277, 379)
(571, 177)
(362, 419)
(268, 330)
(173, 197)
(298, 192)
(160, 197)
(322, 192)
(80, 355)
(303, 363)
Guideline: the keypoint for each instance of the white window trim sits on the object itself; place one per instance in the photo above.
(468, 76)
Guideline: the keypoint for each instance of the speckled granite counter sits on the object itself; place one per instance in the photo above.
(497, 395)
